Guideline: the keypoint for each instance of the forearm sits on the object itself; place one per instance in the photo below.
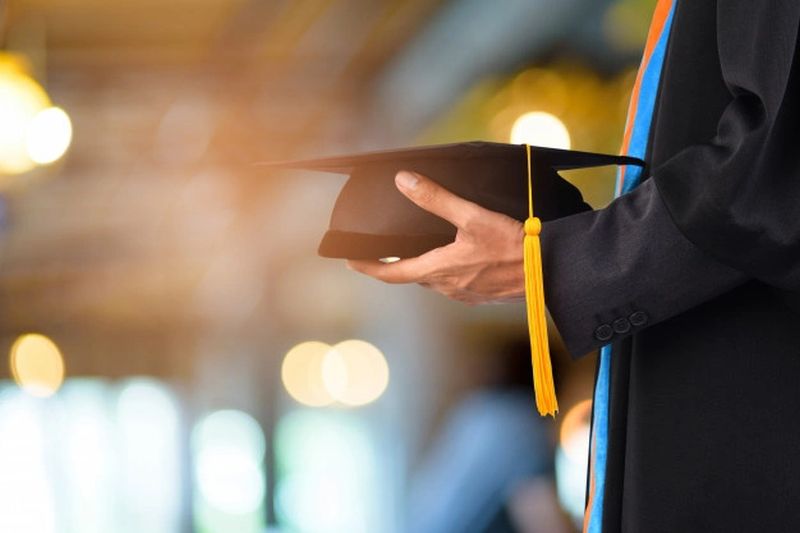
(615, 271)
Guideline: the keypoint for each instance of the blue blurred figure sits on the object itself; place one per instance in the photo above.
(489, 470)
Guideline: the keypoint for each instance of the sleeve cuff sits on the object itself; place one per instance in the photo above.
(612, 272)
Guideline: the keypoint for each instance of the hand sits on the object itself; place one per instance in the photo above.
(482, 265)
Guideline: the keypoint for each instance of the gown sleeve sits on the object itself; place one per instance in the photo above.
(738, 196)
(611, 272)
(714, 216)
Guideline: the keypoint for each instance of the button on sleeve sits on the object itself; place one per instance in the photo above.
(603, 332)
(621, 325)
(638, 318)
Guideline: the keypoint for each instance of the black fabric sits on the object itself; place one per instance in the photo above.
(712, 433)
(735, 193)
(703, 425)
(372, 219)
(625, 259)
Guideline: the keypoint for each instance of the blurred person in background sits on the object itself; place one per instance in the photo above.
(689, 281)
(490, 468)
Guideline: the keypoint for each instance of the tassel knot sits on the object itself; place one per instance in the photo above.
(533, 226)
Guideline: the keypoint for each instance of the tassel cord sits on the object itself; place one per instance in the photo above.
(544, 387)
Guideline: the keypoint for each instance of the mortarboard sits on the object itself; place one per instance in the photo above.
(371, 219)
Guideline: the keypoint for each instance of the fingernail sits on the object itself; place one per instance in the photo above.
(406, 180)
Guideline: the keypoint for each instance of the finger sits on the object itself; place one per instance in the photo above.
(406, 271)
(413, 270)
(434, 198)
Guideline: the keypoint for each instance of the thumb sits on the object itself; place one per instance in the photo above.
(435, 199)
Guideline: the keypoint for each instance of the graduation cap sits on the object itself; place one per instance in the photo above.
(372, 219)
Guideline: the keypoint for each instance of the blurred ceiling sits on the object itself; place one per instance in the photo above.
(149, 32)
(171, 102)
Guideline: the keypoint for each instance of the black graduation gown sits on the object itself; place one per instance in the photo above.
(704, 399)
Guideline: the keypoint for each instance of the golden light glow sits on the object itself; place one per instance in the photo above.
(575, 429)
(31, 131)
(355, 372)
(540, 129)
(49, 135)
(21, 99)
(301, 373)
(37, 364)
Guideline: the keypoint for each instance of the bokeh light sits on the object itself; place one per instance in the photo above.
(147, 455)
(540, 129)
(37, 364)
(302, 373)
(81, 461)
(572, 459)
(21, 100)
(27, 499)
(355, 372)
(574, 435)
(327, 474)
(86, 440)
(228, 448)
(49, 135)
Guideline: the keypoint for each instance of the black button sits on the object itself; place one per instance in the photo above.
(621, 325)
(638, 318)
(603, 332)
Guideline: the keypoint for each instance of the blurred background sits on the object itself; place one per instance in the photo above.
(178, 359)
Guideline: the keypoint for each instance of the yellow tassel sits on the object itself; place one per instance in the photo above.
(546, 401)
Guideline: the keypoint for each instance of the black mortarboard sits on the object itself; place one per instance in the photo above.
(372, 219)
